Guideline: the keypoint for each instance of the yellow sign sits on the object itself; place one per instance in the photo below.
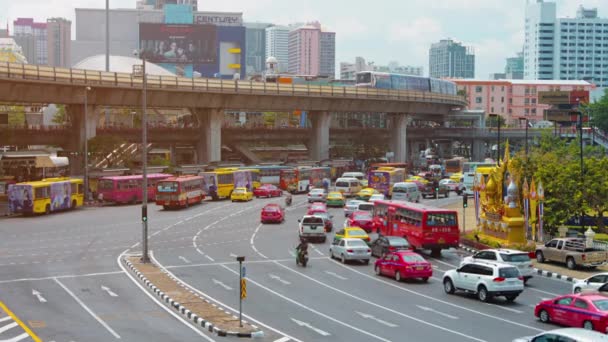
(243, 288)
(554, 97)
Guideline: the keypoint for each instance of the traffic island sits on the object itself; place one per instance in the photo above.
(187, 303)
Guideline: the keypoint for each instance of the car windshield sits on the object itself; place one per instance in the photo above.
(342, 184)
(239, 191)
(412, 258)
(396, 241)
(399, 190)
(353, 203)
(519, 257)
(366, 207)
(356, 243)
(271, 208)
(356, 232)
(508, 272)
(317, 191)
(362, 217)
(313, 220)
(601, 304)
(322, 215)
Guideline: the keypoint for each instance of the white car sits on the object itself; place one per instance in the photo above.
(486, 280)
(566, 335)
(317, 195)
(351, 206)
(516, 258)
(376, 197)
(592, 283)
(350, 249)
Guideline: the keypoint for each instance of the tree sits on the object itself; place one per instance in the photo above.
(104, 146)
(599, 112)
(60, 115)
(596, 188)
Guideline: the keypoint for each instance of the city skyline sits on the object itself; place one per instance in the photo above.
(407, 30)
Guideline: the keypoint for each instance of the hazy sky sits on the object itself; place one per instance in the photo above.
(380, 30)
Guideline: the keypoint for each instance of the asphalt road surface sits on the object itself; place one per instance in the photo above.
(60, 277)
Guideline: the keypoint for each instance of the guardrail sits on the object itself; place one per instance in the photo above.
(212, 85)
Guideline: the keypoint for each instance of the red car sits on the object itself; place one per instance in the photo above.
(272, 213)
(267, 190)
(317, 207)
(361, 219)
(404, 265)
(581, 310)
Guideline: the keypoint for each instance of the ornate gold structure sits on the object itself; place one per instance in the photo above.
(501, 203)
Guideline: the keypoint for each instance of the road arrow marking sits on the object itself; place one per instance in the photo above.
(276, 277)
(39, 296)
(435, 311)
(217, 282)
(307, 325)
(107, 289)
(184, 259)
(368, 316)
(336, 275)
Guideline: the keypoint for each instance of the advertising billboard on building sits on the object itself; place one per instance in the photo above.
(178, 44)
(218, 18)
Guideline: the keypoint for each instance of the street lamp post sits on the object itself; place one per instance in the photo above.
(144, 158)
(497, 138)
(86, 143)
(580, 131)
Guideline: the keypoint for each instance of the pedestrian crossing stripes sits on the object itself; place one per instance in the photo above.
(11, 332)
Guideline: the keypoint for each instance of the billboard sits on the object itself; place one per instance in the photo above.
(219, 19)
(553, 97)
(184, 44)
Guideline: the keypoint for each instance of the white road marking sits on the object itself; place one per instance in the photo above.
(544, 292)
(505, 308)
(184, 259)
(282, 339)
(437, 312)
(439, 300)
(310, 309)
(208, 257)
(7, 318)
(39, 296)
(252, 243)
(276, 277)
(309, 326)
(334, 274)
(368, 316)
(217, 282)
(110, 292)
(17, 338)
(232, 255)
(84, 306)
(318, 251)
(8, 327)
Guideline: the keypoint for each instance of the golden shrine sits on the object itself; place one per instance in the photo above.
(501, 215)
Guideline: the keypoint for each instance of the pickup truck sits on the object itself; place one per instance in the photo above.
(429, 190)
(571, 251)
(312, 228)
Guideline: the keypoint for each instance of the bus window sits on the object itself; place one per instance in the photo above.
(42, 192)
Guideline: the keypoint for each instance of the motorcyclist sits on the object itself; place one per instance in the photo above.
(302, 248)
(288, 199)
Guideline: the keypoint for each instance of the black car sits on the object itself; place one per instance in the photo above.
(385, 244)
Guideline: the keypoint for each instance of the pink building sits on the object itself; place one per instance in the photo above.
(514, 99)
(312, 51)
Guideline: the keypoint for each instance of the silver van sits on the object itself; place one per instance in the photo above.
(406, 191)
(348, 186)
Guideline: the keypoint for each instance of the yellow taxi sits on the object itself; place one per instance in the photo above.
(241, 194)
(352, 232)
(418, 179)
(335, 199)
(456, 177)
(366, 193)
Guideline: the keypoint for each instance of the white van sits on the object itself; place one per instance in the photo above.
(348, 186)
(359, 175)
(406, 191)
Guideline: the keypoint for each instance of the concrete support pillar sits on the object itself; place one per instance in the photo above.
(399, 137)
(209, 147)
(92, 118)
(477, 150)
(172, 154)
(318, 146)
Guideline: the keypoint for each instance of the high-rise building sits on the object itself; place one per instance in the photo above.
(451, 59)
(312, 51)
(565, 48)
(59, 41)
(160, 4)
(515, 67)
(277, 45)
(32, 37)
(255, 41)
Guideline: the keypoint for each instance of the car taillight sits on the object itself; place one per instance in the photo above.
(520, 278)
(350, 251)
(583, 256)
(498, 280)
(367, 238)
(369, 251)
(391, 248)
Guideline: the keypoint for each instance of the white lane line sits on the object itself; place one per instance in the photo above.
(544, 292)
(505, 308)
(200, 293)
(236, 262)
(309, 326)
(17, 338)
(59, 277)
(232, 255)
(184, 259)
(8, 327)
(210, 258)
(5, 318)
(437, 312)
(310, 309)
(178, 317)
(380, 306)
(84, 306)
(38, 295)
(439, 300)
(276, 277)
(217, 282)
(316, 250)
(336, 275)
(252, 243)
(443, 262)
(282, 339)
(373, 318)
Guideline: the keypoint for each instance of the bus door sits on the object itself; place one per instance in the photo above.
(392, 225)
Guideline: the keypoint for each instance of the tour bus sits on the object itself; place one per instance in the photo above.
(46, 196)
(383, 179)
(268, 174)
(302, 179)
(454, 165)
(468, 174)
(220, 183)
(180, 192)
(128, 189)
(423, 226)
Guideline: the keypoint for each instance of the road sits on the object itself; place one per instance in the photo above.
(59, 275)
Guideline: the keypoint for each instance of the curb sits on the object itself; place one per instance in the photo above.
(538, 271)
(189, 314)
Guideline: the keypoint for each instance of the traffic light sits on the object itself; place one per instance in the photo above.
(144, 214)
(465, 200)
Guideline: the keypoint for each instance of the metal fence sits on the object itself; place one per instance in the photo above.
(212, 85)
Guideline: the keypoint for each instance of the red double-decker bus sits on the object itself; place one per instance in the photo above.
(180, 192)
(423, 226)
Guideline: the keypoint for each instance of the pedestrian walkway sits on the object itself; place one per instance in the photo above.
(12, 329)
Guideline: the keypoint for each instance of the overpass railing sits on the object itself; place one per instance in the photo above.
(117, 79)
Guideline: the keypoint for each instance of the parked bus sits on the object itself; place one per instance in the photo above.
(383, 179)
(46, 196)
(269, 174)
(454, 165)
(4, 183)
(180, 192)
(128, 189)
(423, 226)
(376, 166)
(468, 174)
(338, 166)
(220, 183)
(302, 179)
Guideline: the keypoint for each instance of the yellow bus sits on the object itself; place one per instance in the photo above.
(255, 176)
(383, 179)
(46, 196)
(220, 183)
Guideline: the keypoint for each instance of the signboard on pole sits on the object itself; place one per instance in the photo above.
(243, 288)
(553, 97)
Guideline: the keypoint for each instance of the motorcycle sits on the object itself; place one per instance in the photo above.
(301, 258)
(288, 201)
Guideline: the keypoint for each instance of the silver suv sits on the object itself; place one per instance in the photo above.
(317, 195)
(485, 279)
(515, 258)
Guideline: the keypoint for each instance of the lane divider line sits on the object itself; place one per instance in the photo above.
(21, 324)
